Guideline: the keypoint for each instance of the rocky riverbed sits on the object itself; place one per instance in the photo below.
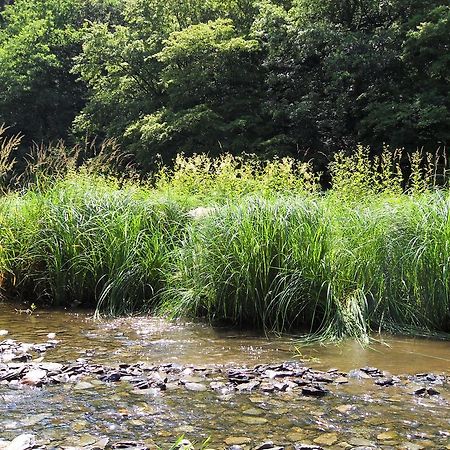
(23, 368)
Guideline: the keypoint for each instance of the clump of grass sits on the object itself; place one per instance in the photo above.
(258, 263)
(271, 251)
(388, 263)
(89, 242)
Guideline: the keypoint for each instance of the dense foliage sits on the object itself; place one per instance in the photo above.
(300, 77)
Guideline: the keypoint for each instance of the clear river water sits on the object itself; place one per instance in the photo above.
(358, 414)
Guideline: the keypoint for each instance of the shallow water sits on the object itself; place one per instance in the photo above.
(388, 417)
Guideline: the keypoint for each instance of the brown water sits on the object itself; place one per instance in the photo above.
(63, 416)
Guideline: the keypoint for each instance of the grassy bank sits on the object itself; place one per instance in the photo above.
(267, 248)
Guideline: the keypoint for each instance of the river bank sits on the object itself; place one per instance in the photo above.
(333, 265)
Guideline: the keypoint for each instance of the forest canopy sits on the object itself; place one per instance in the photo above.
(270, 77)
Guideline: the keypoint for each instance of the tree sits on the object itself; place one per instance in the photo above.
(344, 73)
(40, 96)
(175, 77)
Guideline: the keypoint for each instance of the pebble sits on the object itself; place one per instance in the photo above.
(327, 439)
(22, 442)
(197, 387)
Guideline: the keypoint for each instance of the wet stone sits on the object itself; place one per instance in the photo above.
(268, 446)
(358, 374)
(432, 391)
(111, 377)
(321, 377)
(341, 380)
(314, 391)
(35, 419)
(22, 442)
(281, 386)
(191, 379)
(248, 387)
(419, 391)
(388, 381)
(307, 447)
(35, 377)
(267, 387)
(100, 444)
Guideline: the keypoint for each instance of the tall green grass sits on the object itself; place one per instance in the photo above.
(389, 262)
(86, 241)
(258, 262)
(269, 250)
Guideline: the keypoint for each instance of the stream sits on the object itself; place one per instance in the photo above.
(355, 414)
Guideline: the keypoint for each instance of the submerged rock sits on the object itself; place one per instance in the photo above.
(197, 387)
(252, 420)
(388, 436)
(344, 409)
(83, 385)
(237, 440)
(327, 439)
